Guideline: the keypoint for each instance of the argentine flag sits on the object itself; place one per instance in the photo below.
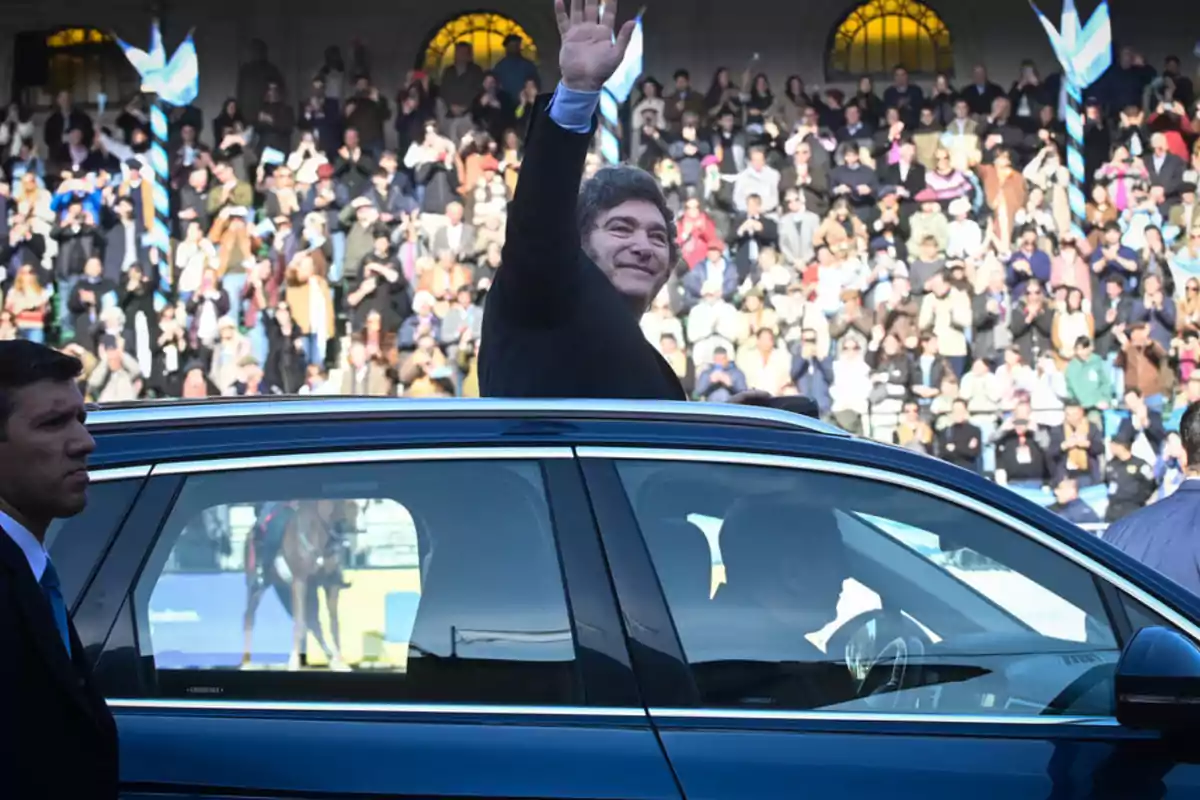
(621, 84)
(1085, 53)
(176, 81)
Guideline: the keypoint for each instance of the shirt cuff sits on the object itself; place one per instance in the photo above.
(573, 110)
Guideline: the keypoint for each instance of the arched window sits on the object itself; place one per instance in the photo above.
(880, 34)
(484, 31)
(85, 62)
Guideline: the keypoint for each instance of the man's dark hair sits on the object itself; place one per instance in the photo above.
(1189, 432)
(682, 73)
(23, 363)
(1072, 403)
(612, 186)
(958, 400)
(1083, 341)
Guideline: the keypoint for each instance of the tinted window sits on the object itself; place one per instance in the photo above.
(806, 590)
(76, 545)
(1140, 616)
(430, 581)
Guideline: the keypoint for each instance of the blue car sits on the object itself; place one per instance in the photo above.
(342, 598)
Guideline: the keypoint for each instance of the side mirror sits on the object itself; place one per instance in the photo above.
(1158, 682)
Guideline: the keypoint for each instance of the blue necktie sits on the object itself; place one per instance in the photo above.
(53, 591)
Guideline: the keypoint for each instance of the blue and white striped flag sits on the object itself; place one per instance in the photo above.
(622, 82)
(176, 82)
(616, 91)
(1084, 53)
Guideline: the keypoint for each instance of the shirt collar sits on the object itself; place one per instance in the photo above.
(34, 552)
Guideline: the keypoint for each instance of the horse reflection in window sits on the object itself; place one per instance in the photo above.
(294, 550)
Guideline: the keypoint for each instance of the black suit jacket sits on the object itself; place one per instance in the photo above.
(914, 182)
(554, 326)
(57, 737)
(114, 251)
(1170, 177)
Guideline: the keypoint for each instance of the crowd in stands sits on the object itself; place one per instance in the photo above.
(905, 258)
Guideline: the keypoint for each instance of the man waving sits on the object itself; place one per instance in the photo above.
(580, 266)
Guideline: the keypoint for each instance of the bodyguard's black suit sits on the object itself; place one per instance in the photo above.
(553, 324)
(57, 737)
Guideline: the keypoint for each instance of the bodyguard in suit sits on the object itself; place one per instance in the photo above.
(579, 266)
(1166, 534)
(57, 738)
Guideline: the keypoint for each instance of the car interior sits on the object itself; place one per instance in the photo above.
(491, 623)
(935, 642)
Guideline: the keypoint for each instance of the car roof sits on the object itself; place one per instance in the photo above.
(226, 410)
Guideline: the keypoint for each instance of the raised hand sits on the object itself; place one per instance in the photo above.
(589, 56)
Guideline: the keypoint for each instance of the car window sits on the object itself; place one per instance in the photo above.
(810, 590)
(76, 544)
(1140, 616)
(434, 581)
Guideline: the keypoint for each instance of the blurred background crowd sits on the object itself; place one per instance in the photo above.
(900, 254)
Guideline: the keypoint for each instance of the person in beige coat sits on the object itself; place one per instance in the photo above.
(366, 376)
(311, 301)
(946, 312)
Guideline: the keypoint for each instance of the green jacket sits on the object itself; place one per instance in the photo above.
(1089, 382)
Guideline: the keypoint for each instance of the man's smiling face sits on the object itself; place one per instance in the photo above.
(632, 246)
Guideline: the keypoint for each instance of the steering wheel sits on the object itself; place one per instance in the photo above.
(883, 650)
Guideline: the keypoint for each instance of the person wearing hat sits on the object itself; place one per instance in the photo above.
(514, 69)
(1130, 479)
(580, 265)
(359, 218)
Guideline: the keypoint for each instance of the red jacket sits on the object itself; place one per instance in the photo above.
(695, 236)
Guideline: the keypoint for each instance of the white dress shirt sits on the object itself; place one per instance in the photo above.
(34, 552)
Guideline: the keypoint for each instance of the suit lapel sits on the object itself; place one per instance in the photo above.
(41, 625)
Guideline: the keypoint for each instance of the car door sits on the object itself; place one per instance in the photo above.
(842, 630)
(456, 633)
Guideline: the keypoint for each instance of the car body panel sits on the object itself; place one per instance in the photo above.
(478, 753)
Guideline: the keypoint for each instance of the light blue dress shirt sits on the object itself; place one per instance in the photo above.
(573, 110)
